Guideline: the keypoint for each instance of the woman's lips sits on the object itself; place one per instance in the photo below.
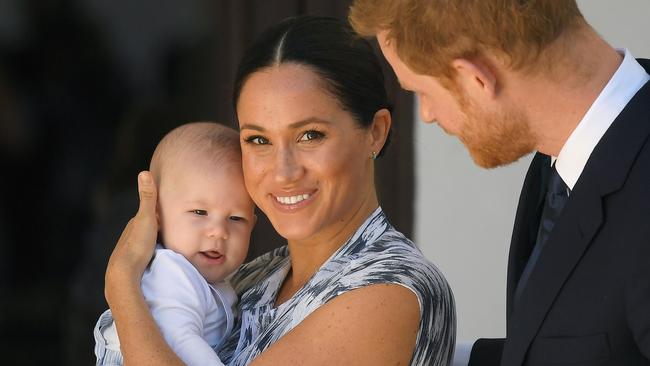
(292, 202)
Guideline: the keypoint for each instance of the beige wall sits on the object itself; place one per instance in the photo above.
(464, 215)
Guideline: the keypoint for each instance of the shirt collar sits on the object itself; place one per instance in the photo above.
(626, 81)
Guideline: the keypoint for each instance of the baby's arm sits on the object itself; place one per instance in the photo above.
(179, 301)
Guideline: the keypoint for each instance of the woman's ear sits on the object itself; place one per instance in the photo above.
(379, 130)
(477, 77)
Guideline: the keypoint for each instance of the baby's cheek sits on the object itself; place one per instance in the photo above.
(239, 253)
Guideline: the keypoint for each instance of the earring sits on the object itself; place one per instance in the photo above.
(373, 155)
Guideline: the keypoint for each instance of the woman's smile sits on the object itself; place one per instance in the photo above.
(293, 202)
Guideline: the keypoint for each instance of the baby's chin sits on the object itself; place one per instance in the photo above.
(214, 277)
(210, 278)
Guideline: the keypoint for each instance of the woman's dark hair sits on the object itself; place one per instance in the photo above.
(346, 62)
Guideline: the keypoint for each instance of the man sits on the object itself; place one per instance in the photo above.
(511, 77)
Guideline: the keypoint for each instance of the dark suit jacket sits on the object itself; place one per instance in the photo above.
(587, 301)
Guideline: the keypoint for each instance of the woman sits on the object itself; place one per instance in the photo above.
(313, 116)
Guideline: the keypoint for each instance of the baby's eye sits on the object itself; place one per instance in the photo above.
(237, 218)
(200, 212)
(257, 140)
(311, 135)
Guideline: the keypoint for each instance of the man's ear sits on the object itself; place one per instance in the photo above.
(379, 130)
(477, 77)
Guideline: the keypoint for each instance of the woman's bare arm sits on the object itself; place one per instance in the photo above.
(374, 325)
(140, 340)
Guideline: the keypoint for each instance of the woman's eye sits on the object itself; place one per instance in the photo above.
(257, 140)
(312, 135)
(200, 212)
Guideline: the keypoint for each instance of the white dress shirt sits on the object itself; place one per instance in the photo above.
(624, 84)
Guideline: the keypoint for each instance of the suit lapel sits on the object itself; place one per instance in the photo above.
(605, 172)
(525, 229)
(563, 250)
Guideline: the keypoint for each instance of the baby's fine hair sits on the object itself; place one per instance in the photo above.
(217, 144)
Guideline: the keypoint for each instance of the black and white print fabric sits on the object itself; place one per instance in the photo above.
(375, 254)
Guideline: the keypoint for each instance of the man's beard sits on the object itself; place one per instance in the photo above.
(495, 139)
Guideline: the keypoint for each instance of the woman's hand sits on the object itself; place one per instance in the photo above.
(140, 340)
(136, 245)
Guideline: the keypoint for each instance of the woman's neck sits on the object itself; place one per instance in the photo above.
(308, 255)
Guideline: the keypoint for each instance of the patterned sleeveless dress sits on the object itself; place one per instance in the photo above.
(375, 254)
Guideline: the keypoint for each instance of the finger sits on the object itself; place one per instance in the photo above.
(148, 195)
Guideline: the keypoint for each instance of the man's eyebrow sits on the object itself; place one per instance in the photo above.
(295, 125)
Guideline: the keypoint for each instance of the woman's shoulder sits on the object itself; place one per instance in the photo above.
(379, 254)
(393, 255)
(391, 258)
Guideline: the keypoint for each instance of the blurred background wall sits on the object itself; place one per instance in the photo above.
(464, 215)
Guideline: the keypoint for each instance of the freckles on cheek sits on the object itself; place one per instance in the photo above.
(251, 167)
(254, 171)
(341, 171)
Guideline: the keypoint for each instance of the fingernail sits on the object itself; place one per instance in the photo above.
(144, 178)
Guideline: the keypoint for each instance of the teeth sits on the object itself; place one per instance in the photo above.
(292, 200)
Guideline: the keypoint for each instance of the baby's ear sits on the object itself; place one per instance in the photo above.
(158, 214)
(159, 238)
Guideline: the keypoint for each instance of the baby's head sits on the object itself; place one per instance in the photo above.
(204, 211)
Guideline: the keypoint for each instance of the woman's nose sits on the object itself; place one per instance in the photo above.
(288, 169)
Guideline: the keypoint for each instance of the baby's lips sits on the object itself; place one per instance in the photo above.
(212, 254)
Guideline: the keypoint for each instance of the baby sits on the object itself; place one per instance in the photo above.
(205, 220)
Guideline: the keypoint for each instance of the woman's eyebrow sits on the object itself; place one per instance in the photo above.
(251, 126)
(295, 125)
(309, 120)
